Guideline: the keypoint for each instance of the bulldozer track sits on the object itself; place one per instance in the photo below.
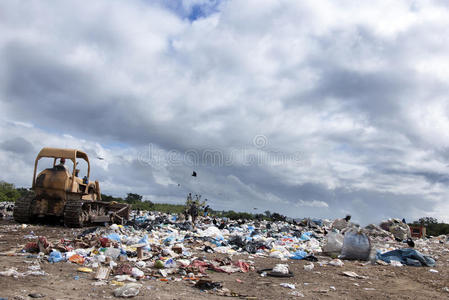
(22, 209)
(73, 214)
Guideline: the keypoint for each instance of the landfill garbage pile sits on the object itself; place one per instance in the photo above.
(163, 238)
(158, 246)
(6, 210)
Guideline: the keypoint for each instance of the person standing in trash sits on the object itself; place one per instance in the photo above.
(195, 206)
(189, 203)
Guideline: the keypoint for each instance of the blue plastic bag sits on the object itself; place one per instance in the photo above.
(114, 237)
(409, 257)
(55, 256)
(306, 236)
(299, 255)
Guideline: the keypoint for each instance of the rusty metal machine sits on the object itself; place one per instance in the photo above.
(61, 194)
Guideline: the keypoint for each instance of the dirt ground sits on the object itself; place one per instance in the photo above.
(323, 282)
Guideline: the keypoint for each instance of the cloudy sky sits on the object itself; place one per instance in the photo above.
(307, 108)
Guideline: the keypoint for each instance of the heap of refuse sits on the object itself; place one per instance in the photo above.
(6, 210)
(162, 247)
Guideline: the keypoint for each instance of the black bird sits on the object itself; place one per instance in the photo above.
(411, 243)
(194, 174)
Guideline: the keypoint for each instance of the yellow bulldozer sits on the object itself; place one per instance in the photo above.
(61, 194)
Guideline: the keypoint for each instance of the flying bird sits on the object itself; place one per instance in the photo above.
(100, 158)
(194, 174)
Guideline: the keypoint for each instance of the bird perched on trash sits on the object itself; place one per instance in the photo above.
(194, 174)
(411, 243)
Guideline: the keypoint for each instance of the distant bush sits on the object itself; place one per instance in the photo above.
(8, 192)
(433, 227)
(169, 208)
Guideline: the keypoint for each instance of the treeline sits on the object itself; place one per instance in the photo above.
(136, 201)
(9, 193)
(433, 227)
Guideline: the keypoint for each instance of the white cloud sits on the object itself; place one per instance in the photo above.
(313, 203)
(345, 85)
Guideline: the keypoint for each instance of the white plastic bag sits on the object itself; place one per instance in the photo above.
(128, 290)
(334, 243)
(356, 245)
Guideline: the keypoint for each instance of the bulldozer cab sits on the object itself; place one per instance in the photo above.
(60, 177)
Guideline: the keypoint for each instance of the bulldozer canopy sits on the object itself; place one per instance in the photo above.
(71, 154)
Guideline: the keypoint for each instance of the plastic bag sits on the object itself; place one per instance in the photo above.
(170, 263)
(334, 243)
(55, 256)
(128, 290)
(299, 255)
(112, 252)
(356, 245)
(137, 273)
(281, 268)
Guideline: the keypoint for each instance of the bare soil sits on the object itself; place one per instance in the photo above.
(323, 282)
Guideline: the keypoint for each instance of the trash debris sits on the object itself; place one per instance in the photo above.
(297, 294)
(164, 247)
(204, 284)
(36, 295)
(408, 256)
(55, 256)
(354, 275)
(12, 272)
(84, 270)
(128, 290)
(399, 229)
(356, 245)
(309, 267)
(77, 259)
(281, 269)
(336, 262)
(395, 263)
(102, 273)
(288, 285)
(333, 244)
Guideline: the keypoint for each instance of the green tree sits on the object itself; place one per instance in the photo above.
(8, 192)
(426, 221)
(132, 198)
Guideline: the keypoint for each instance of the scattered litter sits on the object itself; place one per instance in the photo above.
(102, 273)
(281, 269)
(354, 275)
(128, 290)
(297, 294)
(204, 284)
(288, 285)
(309, 267)
(84, 270)
(396, 263)
(336, 262)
